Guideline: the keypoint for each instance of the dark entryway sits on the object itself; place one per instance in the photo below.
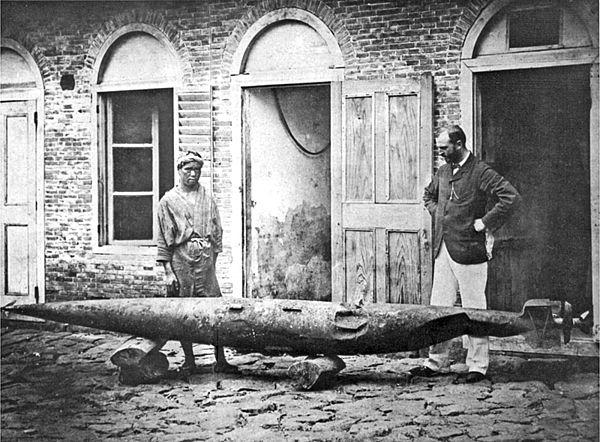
(288, 192)
(535, 131)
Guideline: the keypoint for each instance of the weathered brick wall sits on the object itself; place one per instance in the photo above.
(386, 39)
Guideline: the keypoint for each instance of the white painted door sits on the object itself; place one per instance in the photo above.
(18, 256)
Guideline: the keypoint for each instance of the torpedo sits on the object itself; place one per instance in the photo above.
(274, 326)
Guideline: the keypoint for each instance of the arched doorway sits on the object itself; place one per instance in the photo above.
(21, 169)
(532, 110)
(135, 76)
(344, 223)
(285, 166)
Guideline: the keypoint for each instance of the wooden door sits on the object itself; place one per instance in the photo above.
(381, 230)
(18, 196)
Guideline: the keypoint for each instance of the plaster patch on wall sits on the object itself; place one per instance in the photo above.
(294, 255)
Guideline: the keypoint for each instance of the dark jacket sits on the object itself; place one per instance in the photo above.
(456, 201)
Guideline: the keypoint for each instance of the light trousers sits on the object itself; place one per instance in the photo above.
(449, 277)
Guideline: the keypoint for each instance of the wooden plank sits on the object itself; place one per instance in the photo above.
(425, 259)
(337, 256)
(287, 77)
(519, 344)
(523, 60)
(198, 97)
(381, 136)
(137, 86)
(37, 241)
(21, 94)
(194, 122)
(399, 87)
(369, 216)
(102, 192)
(403, 167)
(237, 235)
(359, 255)
(193, 106)
(381, 266)
(185, 130)
(595, 193)
(404, 286)
(426, 171)
(202, 115)
(249, 260)
(501, 279)
(359, 149)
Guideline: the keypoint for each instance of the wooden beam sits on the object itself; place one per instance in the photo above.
(530, 60)
(316, 371)
(579, 346)
(140, 361)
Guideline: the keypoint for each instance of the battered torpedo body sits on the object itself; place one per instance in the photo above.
(271, 326)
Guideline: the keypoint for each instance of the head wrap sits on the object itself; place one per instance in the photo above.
(189, 157)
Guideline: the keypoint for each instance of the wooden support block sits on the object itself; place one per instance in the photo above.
(315, 370)
(140, 361)
(151, 368)
(132, 351)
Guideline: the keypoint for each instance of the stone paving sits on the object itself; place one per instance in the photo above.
(59, 385)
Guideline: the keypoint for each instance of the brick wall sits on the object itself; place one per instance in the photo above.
(385, 39)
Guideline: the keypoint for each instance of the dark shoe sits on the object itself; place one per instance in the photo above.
(475, 376)
(424, 372)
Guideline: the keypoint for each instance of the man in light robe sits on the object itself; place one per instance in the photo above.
(189, 241)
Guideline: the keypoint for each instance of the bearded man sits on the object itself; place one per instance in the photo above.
(467, 200)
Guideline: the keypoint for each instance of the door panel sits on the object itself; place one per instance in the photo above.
(16, 162)
(404, 278)
(359, 257)
(385, 150)
(402, 172)
(359, 148)
(17, 193)
(17, 260)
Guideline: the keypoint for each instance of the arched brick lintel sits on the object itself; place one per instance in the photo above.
(315, 13)
(478, 13)
(32, 54)
(149, 22)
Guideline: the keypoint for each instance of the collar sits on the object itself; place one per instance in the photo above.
(463, 166)
(464, 160)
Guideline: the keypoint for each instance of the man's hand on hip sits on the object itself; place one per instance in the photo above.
(478, 225)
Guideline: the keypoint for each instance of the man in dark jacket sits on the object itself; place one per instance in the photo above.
(467, 200)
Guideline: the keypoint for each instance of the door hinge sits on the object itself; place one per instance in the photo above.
(36, 293)
(35, 118)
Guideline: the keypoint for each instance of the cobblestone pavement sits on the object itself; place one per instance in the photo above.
(60, 386)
